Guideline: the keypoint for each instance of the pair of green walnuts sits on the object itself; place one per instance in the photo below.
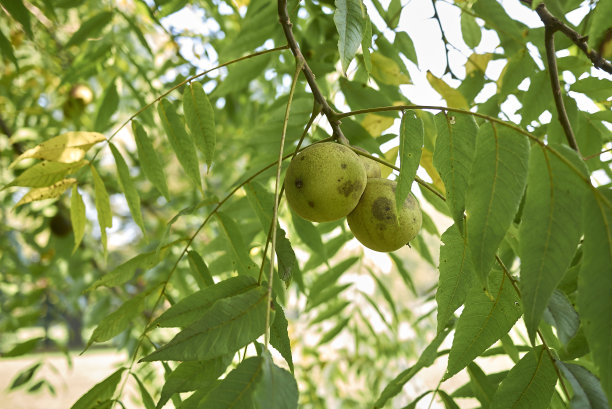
(328, 181)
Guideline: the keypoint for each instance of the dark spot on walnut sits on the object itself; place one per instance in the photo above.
(343, 166)
(350, 187)
(311, 203)
(299, 183)
(382, 209)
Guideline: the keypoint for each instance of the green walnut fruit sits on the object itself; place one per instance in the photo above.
(371, 166)
(324, 182)
(375, 222)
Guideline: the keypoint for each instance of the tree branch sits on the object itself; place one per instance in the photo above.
(331, 115)
(444, 39)
(549, 41)
(556, 24)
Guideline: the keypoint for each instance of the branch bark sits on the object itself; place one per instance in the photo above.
(332, 116)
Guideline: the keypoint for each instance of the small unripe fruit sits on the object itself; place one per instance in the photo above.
(324, 182)
(371, 166)
(375, 221)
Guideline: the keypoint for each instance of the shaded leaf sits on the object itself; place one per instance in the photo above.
(595, 282)
(561, 314)
(237, 388)
(90, 28)
(277, 388)
(200, 118)
(484, 320)
(587, 389)
(200, 270)
(107, 107)
(453, 156)
(240, 75)
(279, 337)
(230, 324)
(23, 348)
(25, 376)
(191, 308)
(182, 143)
(482, 386)
(68, 147)
(100, 392)
(128, 187)
(404, 44)
(20, 13)
(530, 384)
(7, 50)
(496, 186)
(411, 142)
(102, 200)
(348, 18)
(549, 231)
(145, 396)
(125, 271)
(149, 161)
(456, 273)
(331, 276)
(238, 250)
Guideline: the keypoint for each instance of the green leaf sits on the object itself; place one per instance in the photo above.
(366, 41)
(287, 261)
(598, 89)
(77, 216)
(7, 49)
(240, 75)
(149, 161)
(308, 233)
(90, 28)
(102, 200)
(191, 308)
(595, 282)
(348, 18)
(23, 348)
(128, 187)
(125, 271)
(587, 389)
(361, 96)
(404, 273)
(453, 97)
(238, 250)
(192, 375)
(484, 320)
(519, 67)
(330, 277)
(411, 142)
(277, 388)
(200, 118)
(333, 333)
(119, 320)
(108, 106)
(386, 71)
(529, 385)
(230, 324)
(561, 314)
(482, 386)
(404, 44)
(25, 376)
(548, 233)
(496, 186)
(20, 13)
(453, 156)
(182, 143)
(100, 393)
(599, 23)
(510, 31)
(279, 337)
(46, 173)
(449, 402)
(237, 388)
(200, 269)
(537, 98)
(426, 359)
(470, 30)
(145, 396)
(456, 273)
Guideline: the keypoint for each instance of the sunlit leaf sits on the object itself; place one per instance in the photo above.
(595, 282)
(182, 143)
(90, 28)
(68, 147)
(200, 269)
(102, 200)
(484, 320)
(125, 271)
(107, 107)
(529, 385)
(549, 231)
(277, 388)
(46, 173)
(77, 216)
(386, 71)
(496, 186)
(470, 30)
(200, 118)
(348, 18)
(238, 249)
(405, 45)
(48, 192)
(452, 97)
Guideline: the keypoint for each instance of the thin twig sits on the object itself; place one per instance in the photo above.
(444, 39)
(551, 58)
(331, 115)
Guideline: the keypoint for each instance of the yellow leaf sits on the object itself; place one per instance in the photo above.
(452, 97)
(390, 156)
(477, 62)
(387, 71)
(68, 147)
(48, 192)
(240, 3)
(376, 124)
(45, 173)
(427, 164)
